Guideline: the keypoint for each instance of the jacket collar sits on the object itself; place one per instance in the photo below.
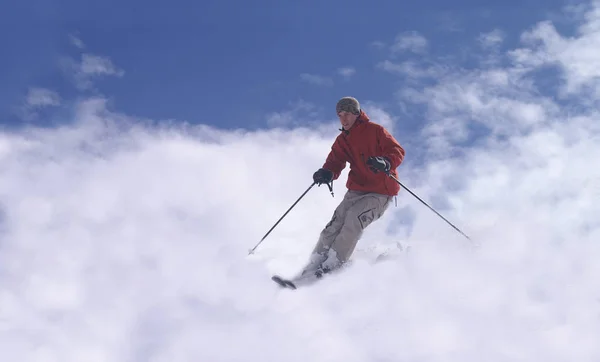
(362, 119)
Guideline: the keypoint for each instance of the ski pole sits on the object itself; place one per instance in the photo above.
(281, 218)
(430, 208)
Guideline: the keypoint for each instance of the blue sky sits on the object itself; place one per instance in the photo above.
(232, 64)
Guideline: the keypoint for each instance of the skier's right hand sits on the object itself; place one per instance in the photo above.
(322, 176)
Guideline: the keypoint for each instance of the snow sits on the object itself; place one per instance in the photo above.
(135, 248)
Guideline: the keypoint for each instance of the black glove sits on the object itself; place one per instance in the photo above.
(322, 176)
(379, 163)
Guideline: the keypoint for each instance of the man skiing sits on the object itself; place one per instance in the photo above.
(372, 153)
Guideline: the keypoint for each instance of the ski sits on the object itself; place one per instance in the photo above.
(301, 280)
(285, 283)
(311, 278)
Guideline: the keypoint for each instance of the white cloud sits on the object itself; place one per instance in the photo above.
(491, 39)
(98, 65)
(377, 44)
(326, 81)
(575, 56)
(412, 70)
(153, 226)
(125, 241)
(76, 41)
(36, 99)
(346, 72)
(410, 41)
(90, 67)
(42, 97)
(378, 114)
(316, 79)
(298, 114)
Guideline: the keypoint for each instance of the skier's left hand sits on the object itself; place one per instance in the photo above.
(379, 163)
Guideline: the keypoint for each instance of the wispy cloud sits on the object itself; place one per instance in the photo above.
(42, 97)
(316, 79)
(380, 115)
(412, 70)
(575, 56)
(299, 114)
(491, 39)
(415, 44)
(378, 44)
(346, 72)
(409, 41)
(36, 99)
(449, 21)
(76, 41)
(327, 81)
(89, 68)
(92, 65)
(514, 123)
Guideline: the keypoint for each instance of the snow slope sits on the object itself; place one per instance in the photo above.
(130, 244)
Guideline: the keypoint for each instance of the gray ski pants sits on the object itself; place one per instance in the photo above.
(339, 237)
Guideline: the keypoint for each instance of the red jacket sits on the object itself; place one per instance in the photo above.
(363, 140)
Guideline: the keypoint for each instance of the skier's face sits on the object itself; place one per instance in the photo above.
(347, 119)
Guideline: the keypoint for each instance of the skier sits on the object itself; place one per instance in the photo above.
(372, 153)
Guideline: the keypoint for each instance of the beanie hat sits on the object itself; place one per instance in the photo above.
(348, 104)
